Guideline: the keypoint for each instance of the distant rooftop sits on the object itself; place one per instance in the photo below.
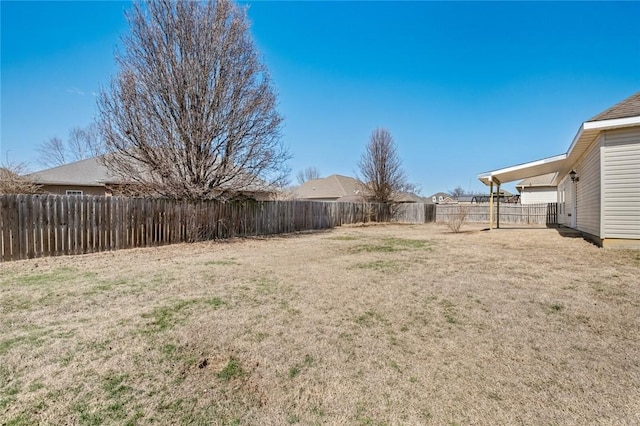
(334, 186)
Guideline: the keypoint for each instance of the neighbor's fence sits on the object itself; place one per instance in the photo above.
(534, 214)
(413, 213)
(53, 225)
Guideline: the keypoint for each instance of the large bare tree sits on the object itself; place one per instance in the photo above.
(307, 174)
(192, 113)
(82, 143)
(381, 169)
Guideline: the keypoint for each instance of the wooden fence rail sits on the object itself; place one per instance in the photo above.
(535, 214)
(54, 225)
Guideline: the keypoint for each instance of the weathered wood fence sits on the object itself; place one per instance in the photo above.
(53, 225)
(413, 213)
(534, 214)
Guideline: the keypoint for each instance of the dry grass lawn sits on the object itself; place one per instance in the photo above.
(369, 325)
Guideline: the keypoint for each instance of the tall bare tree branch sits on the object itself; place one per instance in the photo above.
(82, 143)
(307, 174)
(52, 152)
(381, 169)
(192, 113)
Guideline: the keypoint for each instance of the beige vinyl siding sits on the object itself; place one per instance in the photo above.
(86, 190)
(621, 184)
(565, 201)
(534, 195)
(588, 187)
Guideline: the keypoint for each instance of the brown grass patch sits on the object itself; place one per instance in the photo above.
(387, 324)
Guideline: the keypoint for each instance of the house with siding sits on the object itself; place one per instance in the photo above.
(91, 177)
(538, 189)
(597, 179)
(441, 198)
(84, 177)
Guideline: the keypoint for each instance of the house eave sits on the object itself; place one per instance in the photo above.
(523, 171)
(562, 164)
(587, 133)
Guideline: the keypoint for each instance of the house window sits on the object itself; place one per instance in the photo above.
(74, 192)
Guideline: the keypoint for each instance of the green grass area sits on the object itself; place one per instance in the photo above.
(391, 245)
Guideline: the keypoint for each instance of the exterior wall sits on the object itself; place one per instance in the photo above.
(537, 195)
(585, 216)
(588, 188)
(565, 201)
(86, 190)
(621, 184)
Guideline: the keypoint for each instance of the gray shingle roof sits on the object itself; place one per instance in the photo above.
(334, 186)
(629, 107)
(89, 172)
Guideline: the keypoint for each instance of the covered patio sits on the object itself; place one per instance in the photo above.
(493, 179)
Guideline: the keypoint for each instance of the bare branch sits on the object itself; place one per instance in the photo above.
(458, 192)
(192, 113)
(52, 152)
(14, 181)
(307, 174)
(83, 143)
(381, 168)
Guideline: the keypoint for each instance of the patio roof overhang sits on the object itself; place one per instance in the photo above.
(560, 164)
(523, 171)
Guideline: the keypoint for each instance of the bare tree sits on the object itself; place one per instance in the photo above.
(381, 169)
(458, 192)
(83, 142)
(192, 113)
(14, 181)
(307, 174)
(52, 152)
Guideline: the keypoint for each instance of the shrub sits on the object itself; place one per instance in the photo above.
(457, 218)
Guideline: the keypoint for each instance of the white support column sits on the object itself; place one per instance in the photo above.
(491, 205)
(498, 209)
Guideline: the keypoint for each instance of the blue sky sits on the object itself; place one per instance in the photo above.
(464, 87)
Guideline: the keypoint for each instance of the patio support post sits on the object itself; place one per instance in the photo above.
(491, 205)
(498, 208)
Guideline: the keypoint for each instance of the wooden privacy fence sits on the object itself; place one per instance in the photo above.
(534, 214)
(53, 225)
(413, 213)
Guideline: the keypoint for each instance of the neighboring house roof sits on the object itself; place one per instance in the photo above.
(621, 115)
(89, 172)
(409, 197)
(629, 107)
(331, 187)
(437, 196)
(537, 181)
